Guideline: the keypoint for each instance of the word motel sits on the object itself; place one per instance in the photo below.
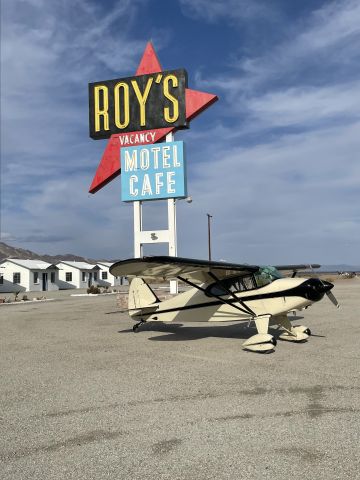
(153, 172)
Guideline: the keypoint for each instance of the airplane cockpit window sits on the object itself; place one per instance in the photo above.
(237, 284)
(263, 277)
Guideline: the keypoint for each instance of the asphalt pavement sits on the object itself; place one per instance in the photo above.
(83, 397)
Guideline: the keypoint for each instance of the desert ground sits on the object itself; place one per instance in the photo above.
(83, 397)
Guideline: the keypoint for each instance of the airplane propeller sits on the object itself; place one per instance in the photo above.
(327, 286)
(332, 299)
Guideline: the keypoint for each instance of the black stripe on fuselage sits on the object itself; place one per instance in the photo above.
(291, 292)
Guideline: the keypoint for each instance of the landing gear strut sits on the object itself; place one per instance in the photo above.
(262, 342)
(293, 334)
(137, 326)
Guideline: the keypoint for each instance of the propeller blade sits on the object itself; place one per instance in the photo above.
(333, 299)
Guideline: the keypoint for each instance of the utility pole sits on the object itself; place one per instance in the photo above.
(209, 235)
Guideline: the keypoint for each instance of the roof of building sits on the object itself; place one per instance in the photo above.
(31, 264)
(80, 265)
(106, 264)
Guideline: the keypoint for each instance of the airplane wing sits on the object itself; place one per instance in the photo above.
(297, 267)
(167, 268)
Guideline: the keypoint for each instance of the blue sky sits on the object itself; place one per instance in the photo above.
(275, 160)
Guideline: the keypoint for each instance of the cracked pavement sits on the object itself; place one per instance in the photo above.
(83, 397)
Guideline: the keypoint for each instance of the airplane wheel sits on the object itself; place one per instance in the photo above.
(266, 352)
(303, 329)
(135, 328)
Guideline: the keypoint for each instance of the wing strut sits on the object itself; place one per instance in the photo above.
(217, 296)
(243, 304)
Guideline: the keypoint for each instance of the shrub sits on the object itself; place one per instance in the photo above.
(93, 290)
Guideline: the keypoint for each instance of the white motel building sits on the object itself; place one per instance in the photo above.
(28, 275)
(17, 275)
(105, 277)
(77, 274)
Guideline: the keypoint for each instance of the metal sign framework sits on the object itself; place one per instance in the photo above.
(142, 237)
(110, 167)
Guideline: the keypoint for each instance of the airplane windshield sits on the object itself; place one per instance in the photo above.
(266, 275)
(263, 277)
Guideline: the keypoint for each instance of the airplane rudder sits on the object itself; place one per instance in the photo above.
(140, 294)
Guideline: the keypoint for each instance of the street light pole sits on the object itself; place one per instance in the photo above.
(209, 235)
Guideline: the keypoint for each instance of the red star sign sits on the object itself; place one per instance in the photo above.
(195, 103)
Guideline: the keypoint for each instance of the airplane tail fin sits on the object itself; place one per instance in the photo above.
(141, 295)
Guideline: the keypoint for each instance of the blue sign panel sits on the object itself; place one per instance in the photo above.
(152, 172)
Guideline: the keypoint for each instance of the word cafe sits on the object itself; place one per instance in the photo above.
(153, 172)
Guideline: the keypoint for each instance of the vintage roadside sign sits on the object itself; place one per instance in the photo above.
(153, 103)
(153, 172)
(143, 102)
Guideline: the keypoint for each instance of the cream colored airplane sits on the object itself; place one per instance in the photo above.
(224, 292)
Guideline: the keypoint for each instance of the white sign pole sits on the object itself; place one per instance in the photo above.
(172, 228)
(138, 248)
(158, 236)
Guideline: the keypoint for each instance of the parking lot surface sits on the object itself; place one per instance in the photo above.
(83, 397)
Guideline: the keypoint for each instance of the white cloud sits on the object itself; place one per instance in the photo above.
(50, 51)
(305, 106)
(278, 170)
(48, 56)
(215, 10)
(310, 51)
(294, 197)
(336, 22)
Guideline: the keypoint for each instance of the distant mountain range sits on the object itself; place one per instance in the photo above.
(339, 268)
(6, 251)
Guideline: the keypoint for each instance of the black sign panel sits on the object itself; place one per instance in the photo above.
(142, 102)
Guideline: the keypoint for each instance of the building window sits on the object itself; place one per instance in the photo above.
(36, 277)
(68, 276)
(52, 277)
(83, 276)
(95, 276)
(16, 277)
(104, 275)
(1, 279)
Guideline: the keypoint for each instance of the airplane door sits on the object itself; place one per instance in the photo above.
(44, 282)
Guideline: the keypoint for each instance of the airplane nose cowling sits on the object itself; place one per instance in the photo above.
(327, 286)
(315, 289)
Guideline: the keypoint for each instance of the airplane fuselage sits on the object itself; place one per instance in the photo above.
(277, 298)
(224, 292)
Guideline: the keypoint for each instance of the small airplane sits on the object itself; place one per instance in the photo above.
(224, 292)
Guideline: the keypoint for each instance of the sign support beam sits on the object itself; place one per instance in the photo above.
(138, 248)
(172, 227)
(140, 237)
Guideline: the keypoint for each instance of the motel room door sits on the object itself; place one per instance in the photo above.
(44, 282)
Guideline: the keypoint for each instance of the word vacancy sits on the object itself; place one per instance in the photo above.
(153, 172)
